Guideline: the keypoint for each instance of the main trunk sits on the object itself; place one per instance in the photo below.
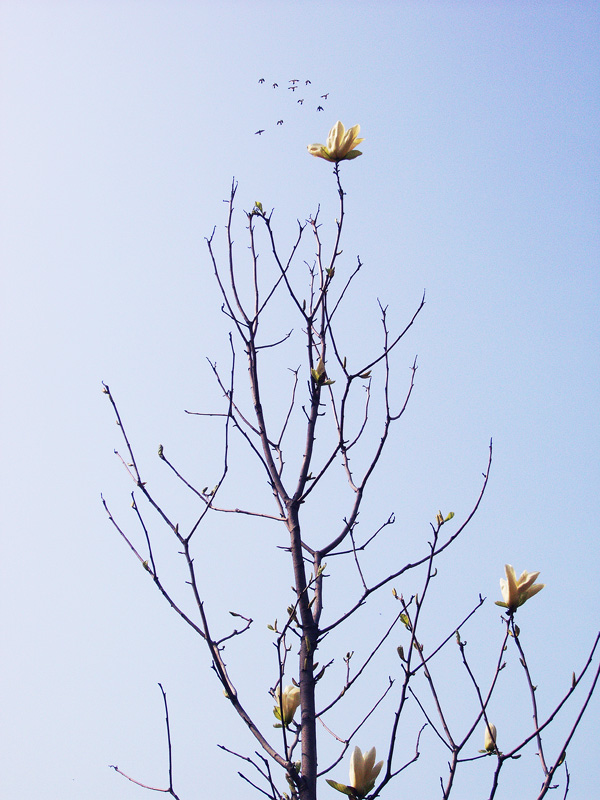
(308, 785)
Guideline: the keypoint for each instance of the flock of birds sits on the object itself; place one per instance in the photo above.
(294, 85)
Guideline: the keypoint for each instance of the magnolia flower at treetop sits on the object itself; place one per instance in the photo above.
(363, 774)
(516, 592)
(489, 741)
(289, 703)
(340, 144)
(364, 771)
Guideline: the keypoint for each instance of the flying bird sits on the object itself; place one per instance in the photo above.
(293, 88)
(300, 101)
(307, 82)
(259, 133)
(294, 80)
(261, 80)
(325, 96)
(275, 85)
(280, 122)
(319, 108)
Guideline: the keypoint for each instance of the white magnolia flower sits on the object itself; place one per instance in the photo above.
(364, 771)
(340, 144)
(289, 703)
(489, 741)
(516, 592)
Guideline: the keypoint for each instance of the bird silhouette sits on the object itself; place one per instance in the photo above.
(261, 80)
(293, 88)
(325, 96)
(319, 108)
(259, 133)
(280, 122)
(294, 80)
(275, 85)
(300, 101)
(307, 82)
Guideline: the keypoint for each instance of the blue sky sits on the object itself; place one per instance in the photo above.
(123, 124)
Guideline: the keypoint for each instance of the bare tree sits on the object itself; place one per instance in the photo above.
(347, 412)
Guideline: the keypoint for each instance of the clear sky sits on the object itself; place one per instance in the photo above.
(122, 125)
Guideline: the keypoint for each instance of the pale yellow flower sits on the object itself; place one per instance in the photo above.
(516, 592)
(364, 771)
(340, 144)
(489, 741)
(289, 703)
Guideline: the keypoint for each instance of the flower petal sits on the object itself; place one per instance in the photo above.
(336, 135)
(356, 768)
(523, 596)
(369, 760)
(350, 138)
(512, 591)
(526, 580)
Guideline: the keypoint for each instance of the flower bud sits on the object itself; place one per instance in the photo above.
(489, 741)
(364, 771)
(288, 703)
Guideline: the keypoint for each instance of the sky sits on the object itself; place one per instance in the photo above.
(123, 125)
